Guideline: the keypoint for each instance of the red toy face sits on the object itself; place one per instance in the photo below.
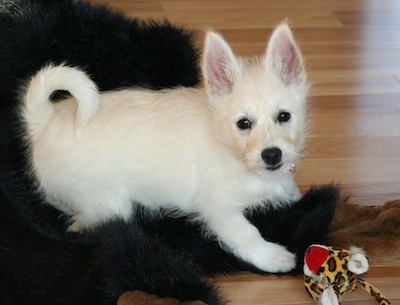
(315, 256)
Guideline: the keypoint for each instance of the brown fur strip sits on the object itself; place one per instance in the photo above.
(142, 298)
(376, 229)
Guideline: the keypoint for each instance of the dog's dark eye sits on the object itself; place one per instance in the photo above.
(283, 117)
(243, 124)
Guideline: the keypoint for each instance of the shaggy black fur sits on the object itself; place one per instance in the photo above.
(40, 262)
(164, 256)
(114, 50)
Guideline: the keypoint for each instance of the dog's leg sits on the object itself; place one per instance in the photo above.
(243, 239)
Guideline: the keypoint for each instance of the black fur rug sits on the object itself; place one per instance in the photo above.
(43, 264)
(163, 256)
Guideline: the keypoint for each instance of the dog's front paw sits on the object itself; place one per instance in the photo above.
(275, 258)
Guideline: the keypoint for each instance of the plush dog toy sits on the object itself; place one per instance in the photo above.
(330, 272)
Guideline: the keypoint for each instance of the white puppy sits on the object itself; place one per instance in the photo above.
(209, 152)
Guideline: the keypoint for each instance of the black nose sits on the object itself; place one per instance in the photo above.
(272, 156)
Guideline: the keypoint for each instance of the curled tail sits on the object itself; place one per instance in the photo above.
(38, 108)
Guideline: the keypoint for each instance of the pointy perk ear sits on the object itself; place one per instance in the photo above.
(284, 57)
(219, 64)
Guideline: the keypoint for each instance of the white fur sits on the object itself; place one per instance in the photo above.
(37, 108)
(329, 297)
(177, 149)
(358, 263)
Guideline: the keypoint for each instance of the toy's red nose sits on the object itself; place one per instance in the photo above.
(315, 256)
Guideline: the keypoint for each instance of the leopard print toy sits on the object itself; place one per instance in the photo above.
(331, 272)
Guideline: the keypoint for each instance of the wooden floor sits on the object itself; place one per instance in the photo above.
(352, 50)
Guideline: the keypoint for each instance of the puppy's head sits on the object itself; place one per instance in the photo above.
(259, 104)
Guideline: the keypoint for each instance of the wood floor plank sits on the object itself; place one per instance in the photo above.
(353, 123)
(320, 35)
(353, 49)
(368, 64)
(357, 177)
(353, 147)
(371, 103)
(256, 19)
(346, 170)
(352, 82)
(349, 5)
(372, 18)
(328, 50)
